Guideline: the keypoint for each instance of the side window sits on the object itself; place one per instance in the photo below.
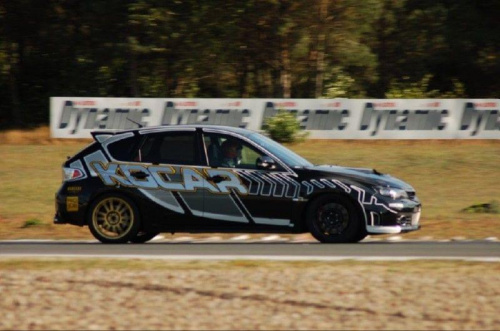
(170, 148)
(124, 149)
(230, 152)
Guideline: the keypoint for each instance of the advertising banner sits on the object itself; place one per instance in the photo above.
(76, 117)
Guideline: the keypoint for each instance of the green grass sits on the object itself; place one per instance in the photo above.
(449, 176)
(32, 222)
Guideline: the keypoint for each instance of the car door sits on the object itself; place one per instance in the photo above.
(173, 160)
(247, 193)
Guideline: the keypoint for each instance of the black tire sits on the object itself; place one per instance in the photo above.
(362, 235)
(335, 219)
(142, 237)
(113, 219)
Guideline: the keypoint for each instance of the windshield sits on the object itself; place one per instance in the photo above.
(284, 154)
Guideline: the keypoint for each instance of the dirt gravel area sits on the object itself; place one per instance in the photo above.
(100, 294)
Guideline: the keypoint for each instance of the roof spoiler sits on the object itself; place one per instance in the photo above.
(101, 136)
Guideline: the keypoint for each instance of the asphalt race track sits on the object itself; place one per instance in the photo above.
(451, 250)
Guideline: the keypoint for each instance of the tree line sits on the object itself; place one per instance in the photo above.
(244, 49)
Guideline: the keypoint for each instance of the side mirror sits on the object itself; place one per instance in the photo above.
(266, 162)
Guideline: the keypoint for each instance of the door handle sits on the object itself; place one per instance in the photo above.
(216, 179)
(139, 174)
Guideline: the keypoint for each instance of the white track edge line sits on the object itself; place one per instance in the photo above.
(233, 239)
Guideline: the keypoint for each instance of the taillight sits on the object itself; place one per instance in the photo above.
(72, 174)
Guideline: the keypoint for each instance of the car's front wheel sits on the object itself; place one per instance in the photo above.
(335, 219)
(113, 219)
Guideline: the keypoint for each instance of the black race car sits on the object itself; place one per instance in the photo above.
(128, 186)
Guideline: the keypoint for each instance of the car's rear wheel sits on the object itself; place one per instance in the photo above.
(335, 219)
(141, 237)
(113, 219)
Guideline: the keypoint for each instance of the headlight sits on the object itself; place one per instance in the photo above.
(394, 193)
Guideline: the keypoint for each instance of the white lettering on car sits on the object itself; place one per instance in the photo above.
(194, 180)
(232, 182)
(156, 173)
(109, 175)
(141, 182)
(157, 177)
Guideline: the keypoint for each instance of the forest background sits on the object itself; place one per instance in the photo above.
(244, 49)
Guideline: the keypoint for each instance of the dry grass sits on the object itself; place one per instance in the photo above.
(448, 176)
(88, 263)
(37, 136)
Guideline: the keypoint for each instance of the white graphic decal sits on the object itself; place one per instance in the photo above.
(109, 174)
(281, 186)
(327, 183)
(157, 177)
(94, 157)
(271, 221)
(344, 186)
(132, 170)
(159, 173)
(222, 217)
(270, 184)
(371, 201)
(266, 189)
(318, 184)
(254, 183)
(163, 198)
(194, 180)
(309, 187)
(362, 197)
(294, 188)
(230, 181)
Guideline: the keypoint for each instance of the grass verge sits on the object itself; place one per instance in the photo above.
(449, 176)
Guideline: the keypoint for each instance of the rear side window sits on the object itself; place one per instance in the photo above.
(124, 149)
(171, 148)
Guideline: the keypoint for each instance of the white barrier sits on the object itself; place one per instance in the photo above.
(76, 117)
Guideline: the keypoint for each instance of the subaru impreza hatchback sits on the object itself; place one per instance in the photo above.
(129, 186)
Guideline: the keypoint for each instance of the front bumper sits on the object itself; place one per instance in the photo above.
(395, 217)
(391, 229)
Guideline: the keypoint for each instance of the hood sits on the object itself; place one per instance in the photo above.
(364, 175)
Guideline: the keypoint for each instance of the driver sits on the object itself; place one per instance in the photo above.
(231, 153)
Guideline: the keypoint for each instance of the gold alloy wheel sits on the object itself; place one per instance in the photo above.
(113, 218)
